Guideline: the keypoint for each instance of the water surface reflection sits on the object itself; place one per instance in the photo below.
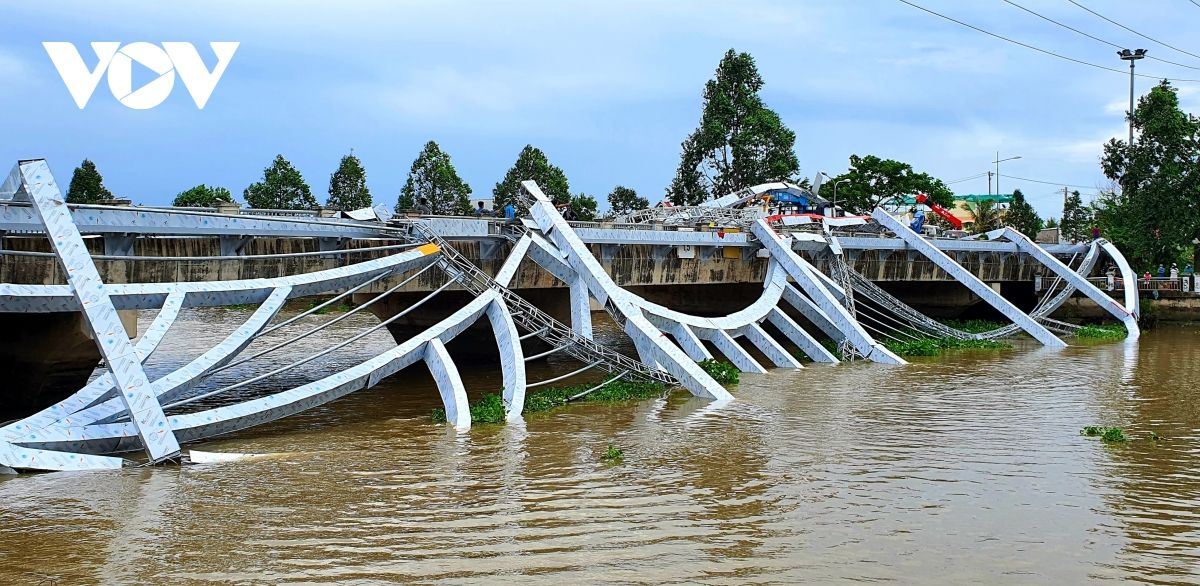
(967, 469)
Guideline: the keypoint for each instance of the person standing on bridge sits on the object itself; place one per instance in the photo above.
(422, 207)
(510, 212)
(1162, 272)
(480, 212)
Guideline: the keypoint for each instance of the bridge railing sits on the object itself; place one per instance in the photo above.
(1185, 283)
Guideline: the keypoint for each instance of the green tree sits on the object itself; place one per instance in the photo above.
(739, 143)
(348, 186)
(987, 216)
(1076, 220)
(433, 177)
(1051, 222)
(1022, 216)
(1153, 214)
(87, 186)
(584, 207)
(624, 200)
(202, 196)
(282, 188)
(874, 181)
(531, 164)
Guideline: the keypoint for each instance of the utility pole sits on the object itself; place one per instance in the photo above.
(1131, 57)
(989, 182)
(997, 162)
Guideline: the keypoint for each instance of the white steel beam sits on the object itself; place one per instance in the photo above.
(962, 275)
(99, 314)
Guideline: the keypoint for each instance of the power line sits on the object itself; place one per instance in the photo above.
(1039, 50)
(971, 178)
(1147, 37)
(1195, 2)
(1095, 38)
(1049, 182)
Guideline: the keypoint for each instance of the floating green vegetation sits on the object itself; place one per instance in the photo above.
(972, 326)
(1102, 332)
(613, 455)
(935, 346)
(490, 407)
(721, 371)
(1107, 434)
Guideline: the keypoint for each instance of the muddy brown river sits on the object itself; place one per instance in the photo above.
(968, 468)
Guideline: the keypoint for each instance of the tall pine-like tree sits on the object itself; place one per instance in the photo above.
(740, 142)
(433, 177)
(1022, 216)
(282, 188)
(348, 186)
(87, 186)
(1076, 222)
(532, 164)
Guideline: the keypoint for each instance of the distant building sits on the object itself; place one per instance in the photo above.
(970, 201)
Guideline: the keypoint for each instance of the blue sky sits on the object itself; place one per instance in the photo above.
(607, 89)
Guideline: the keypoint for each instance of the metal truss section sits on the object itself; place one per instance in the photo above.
(114, 437)
(100, 316)
(823, 308)
(1075, 280)
(652, 346)
(962, 275)
(121, 410)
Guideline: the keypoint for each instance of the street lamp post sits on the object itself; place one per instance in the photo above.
(1131, 57)
(835, 186)
(997, 162)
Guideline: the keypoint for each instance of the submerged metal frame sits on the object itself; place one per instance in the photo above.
(77, 432)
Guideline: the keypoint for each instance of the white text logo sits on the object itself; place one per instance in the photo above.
(117, 60)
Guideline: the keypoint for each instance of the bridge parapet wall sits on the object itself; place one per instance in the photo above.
(171, 259)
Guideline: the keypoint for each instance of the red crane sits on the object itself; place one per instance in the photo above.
(941, 211)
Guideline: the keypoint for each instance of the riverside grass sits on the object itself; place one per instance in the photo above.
(935, 346)
(490, 407)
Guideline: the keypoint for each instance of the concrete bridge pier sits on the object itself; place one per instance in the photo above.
(46, 358)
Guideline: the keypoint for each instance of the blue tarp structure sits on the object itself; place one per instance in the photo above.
(780, 196)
